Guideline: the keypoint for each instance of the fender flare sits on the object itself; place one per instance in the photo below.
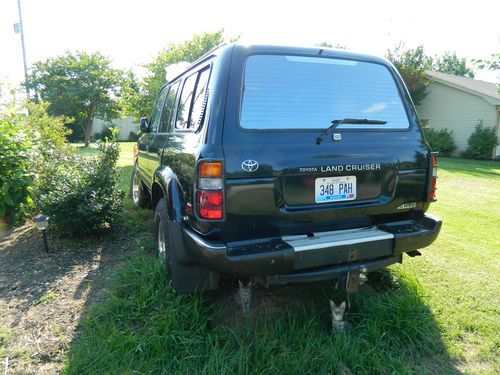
(167, 180)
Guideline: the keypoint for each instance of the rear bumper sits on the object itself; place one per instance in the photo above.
(319, 256)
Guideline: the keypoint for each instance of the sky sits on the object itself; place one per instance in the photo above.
(132, 32)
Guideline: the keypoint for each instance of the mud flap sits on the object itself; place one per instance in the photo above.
(187, 275)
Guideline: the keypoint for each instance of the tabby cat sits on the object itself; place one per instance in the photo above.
(243, 296)
(338, 322)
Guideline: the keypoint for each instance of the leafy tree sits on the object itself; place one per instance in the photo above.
(80, 85)
(139, 95)
(450, 63)
(412, 65)
(493, 64)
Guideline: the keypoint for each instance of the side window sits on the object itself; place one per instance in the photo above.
(168, 109)
(200, 100)
(185, 102)
(155, 116)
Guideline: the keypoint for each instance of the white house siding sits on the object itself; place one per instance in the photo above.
(124, 125)
(457, 110)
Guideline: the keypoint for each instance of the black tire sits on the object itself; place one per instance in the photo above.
(186, 278)
(138, 193)
(162, 237)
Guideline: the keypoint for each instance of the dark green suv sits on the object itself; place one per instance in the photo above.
(293, 164)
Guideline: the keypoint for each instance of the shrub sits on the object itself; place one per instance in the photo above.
(15, 171)
(106, 134)
(29, 144)
(81, 195)
(133, 136)
(440, 140)
(41, 172)
(76, 134)
(481, 142)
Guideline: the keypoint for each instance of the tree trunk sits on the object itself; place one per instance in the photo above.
(87, 128)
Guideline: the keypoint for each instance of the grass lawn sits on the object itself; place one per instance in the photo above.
(438, 313)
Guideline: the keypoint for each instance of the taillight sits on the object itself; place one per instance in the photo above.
(432, 187)
(210, 198)
(209, 194)
(210, 169)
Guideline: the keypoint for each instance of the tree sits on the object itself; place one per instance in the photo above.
(412, 65)
(80, 85)
(139, 95)
(493, 64)
(450, 63)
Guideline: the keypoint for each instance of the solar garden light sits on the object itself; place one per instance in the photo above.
(42, 222)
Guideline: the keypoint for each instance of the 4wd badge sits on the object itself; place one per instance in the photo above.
(249, 165)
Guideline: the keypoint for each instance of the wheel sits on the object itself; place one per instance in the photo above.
(186, 277)
(138, 193)
(162, 238)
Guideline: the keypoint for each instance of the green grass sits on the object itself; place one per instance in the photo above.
(434, 314)
(47, 298)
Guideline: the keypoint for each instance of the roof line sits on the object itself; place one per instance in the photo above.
(492, 99)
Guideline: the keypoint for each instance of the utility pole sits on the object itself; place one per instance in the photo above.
(20, 30)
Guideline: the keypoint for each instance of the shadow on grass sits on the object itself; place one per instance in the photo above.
(145, 327)
(27, 272)
(476, 168)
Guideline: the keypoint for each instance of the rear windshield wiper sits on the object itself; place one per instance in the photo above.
(355, 121)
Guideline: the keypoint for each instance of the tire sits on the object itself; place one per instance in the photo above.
(162, 237)
(186, 278)
(138, 193)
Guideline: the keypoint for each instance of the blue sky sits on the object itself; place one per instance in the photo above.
(132, 32)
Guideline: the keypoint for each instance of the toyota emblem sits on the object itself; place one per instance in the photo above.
(249, 165)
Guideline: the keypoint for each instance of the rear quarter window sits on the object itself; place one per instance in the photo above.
(295, 92)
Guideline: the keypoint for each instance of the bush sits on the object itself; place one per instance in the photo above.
(41, 173)
(29, 145)
(133, 136)
(481, 142)
(76, 134)
(15, 171)
(440, 140)
(106, 134)
(81, 195)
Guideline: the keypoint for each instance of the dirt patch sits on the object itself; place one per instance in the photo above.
(43, 296)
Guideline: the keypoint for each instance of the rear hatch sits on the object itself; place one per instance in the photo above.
(279, 180)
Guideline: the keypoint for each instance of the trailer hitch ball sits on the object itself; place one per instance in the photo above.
(363, 276)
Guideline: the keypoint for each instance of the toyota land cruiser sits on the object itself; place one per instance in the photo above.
(293, 164)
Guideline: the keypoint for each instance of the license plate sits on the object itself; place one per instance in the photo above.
(335, 189)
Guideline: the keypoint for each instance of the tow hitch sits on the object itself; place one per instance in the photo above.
(352, 280)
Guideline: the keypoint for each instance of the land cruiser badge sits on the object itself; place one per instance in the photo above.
(249, 165)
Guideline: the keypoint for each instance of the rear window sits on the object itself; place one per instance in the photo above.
(294, 92)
